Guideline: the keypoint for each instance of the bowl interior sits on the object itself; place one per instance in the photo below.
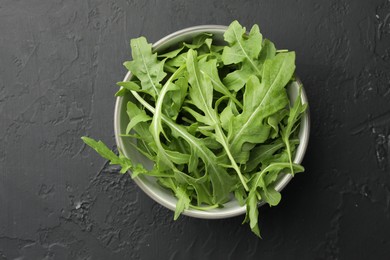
(149, 184)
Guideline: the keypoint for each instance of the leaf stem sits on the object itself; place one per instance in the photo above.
(155, 126)
(270, 166)
(224, 143)
(205, 208)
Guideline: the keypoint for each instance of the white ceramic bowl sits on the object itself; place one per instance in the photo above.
(148, 184)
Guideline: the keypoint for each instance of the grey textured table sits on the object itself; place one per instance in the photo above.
(59, 61)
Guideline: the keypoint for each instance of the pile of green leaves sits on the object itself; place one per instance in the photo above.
(215, 120)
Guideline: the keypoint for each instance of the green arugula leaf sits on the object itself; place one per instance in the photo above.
(141, 117)
(242, 48)
(177, 61)
(177, 96)
(252, 212)
(262, 153)
(295, 113)
(129, 85)
(268, 51)
(146, 140)
(240, 195)
(274, 121)
(145, 66)
(183, 202)
(106, 153)
(199, 40)
(171, 54)
(210, 70)
(236, 80)
(121, 92)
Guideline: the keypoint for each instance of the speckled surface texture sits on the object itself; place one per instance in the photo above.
(59, 61)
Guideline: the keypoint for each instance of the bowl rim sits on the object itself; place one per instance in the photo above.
(214, 214)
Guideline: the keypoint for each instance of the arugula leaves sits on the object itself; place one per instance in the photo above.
(215, 120)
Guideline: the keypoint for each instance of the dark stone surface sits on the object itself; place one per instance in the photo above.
(59, 61)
